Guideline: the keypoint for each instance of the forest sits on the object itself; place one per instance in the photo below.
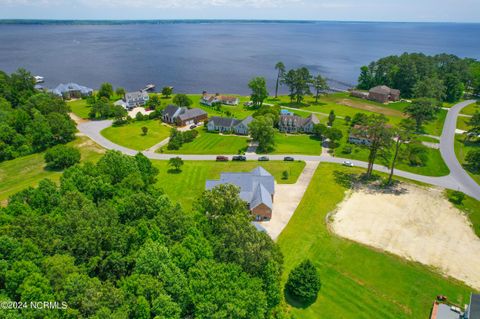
(109, 244)
(30, 121)
(443, 77)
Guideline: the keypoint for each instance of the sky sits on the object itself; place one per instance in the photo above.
(339, 10)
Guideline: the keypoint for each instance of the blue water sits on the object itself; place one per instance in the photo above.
(218, 57)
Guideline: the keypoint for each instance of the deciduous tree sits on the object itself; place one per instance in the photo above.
(258, 86)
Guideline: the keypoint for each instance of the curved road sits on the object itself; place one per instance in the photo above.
(458, 179)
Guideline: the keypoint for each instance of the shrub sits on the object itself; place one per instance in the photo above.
(155, 114)
(456, 197)
(417, 154)
(144, 130)
(303, 282)
(120, 122)
(61, 157)
(285, 175)
(139, 117)
(473, 160)
(347, 150)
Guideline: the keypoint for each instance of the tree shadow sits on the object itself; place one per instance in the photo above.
(345, 179)
(174, 171)
(299, 304)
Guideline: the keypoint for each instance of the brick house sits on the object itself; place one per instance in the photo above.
(210, 99)
(182, 116)
(383, 94)
(257, 189)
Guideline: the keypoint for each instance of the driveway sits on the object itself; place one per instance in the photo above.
(287, 199)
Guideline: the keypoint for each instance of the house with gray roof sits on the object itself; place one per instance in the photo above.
(257, 189)
(229, 125)
(297, 124)
(183, 116)
(72, 91)
(136, 99)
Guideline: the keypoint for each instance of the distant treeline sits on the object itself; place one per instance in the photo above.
(444, 77)
(122, 22)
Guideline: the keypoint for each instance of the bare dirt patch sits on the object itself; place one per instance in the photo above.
(370, 107)
(415, 223)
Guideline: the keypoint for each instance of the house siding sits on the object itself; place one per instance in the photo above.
(262, 212)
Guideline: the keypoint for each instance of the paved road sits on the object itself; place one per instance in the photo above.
(464, 181)
(458, 179)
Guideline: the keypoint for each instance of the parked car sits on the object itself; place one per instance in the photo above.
(239, 158)
(192, 126)
(263, 159)
(347, 163)
(222, 159)
(249, 103)
(288, 159)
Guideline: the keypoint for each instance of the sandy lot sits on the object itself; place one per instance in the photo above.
(371, 108)
(417, 224)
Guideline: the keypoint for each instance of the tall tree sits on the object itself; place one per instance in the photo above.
(182, 100)
(280, 67)
(259, 93)
(454, 88)
(262, 131)
(379, 136)
(422, 110)
(331, 118)
(473, 126)
(320, 85)
(298, 82)
(401, 135)
(106, 90)
(167, 91)
(431, 87)
(120, 91)
(365, 80)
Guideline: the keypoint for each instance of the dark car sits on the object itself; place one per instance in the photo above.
(239, 158)
(288, 159)
(192, 126)
(263, 159)
(222, 159)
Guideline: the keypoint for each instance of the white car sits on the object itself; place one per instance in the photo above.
(347, 163)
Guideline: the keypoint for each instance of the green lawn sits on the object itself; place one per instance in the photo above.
(297, 144)
(471, 207)
(79, 108)
(461, 150)
(435, 127)
(357, 282)
(462, 123)
(435, 166)
(212, 143)
(344, 105)
(131, 135)
(20, 173)
(471, 109)
(188, 185)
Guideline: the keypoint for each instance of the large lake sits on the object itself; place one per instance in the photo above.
(218, 57)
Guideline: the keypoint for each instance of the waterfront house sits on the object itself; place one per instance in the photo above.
(383, 94)
(229, 125)
(257, 189)
(136, 99)
(297, 124)
(72, 91)
(210, 99)
(183, 116)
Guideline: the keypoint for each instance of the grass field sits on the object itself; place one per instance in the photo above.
(471, 207)
(435, 127)
(471, 109)
(79, 108)
(435, 165)
(462, 123)
(131, 135)
(461, 150)
(212, 143)
(297, 144)
(188, 185)
(20, 173)
(357, 282)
